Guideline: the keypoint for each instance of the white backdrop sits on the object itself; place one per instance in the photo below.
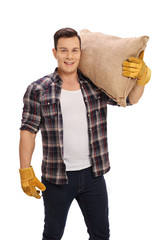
(27, 29)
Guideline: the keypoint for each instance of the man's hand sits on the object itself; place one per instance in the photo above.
(136, 68)
(29, 182)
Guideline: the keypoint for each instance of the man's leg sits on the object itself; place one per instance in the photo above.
(93, 201)
(57, 200)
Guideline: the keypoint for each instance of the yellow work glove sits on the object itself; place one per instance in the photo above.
(136, 68)
(29, 182)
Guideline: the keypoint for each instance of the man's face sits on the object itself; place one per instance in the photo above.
(68, 54)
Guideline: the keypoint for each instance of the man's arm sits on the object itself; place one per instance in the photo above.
(29, 182)
(136, 68)
(26, 148)
(30, 126)
(136, 93)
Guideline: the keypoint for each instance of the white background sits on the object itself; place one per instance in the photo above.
(26, 40)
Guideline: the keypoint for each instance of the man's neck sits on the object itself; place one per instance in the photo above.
(70, 81)
(68, 78)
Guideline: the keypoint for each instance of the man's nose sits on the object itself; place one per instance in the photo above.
(69, 55)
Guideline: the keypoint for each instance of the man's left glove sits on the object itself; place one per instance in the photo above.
(29, 182)
(136, 68)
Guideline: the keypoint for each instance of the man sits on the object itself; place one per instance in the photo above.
(71, 113)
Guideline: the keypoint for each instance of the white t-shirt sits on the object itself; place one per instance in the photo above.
(75, 130)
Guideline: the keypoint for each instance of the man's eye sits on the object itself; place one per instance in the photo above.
(63, 50)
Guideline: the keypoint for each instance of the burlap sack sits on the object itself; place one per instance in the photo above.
(102, 58)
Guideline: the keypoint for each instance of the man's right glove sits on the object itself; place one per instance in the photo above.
(29, 182)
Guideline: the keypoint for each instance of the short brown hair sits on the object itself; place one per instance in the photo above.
(67, 33)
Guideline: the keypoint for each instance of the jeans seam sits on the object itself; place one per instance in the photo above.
(89, 227)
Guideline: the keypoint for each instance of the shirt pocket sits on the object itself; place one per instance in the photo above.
(92, 111)
(49, 109)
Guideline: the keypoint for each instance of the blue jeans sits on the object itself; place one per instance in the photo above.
(91, 195)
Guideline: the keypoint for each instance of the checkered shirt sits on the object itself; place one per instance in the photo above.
(42, 111)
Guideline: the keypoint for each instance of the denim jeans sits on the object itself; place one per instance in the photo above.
(91, 195)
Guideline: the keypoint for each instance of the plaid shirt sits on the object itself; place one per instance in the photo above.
(42, 110)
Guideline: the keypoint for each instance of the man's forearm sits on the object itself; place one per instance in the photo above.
(26, 148)
(136, 93)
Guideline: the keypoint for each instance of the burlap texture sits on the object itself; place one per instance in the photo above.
(102, 58)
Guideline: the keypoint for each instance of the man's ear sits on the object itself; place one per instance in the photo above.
(54, 53)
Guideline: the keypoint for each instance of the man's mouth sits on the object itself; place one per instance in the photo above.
(69, 63)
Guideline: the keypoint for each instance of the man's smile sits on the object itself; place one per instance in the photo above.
(69, 63)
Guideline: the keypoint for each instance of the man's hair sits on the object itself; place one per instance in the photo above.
(66, 33)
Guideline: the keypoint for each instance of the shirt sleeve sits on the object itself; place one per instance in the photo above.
(112, 102)
(128, 102)
(31, 111)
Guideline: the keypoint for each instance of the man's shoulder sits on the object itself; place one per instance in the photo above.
(40, 87)
(89, 83)
(43, 83)
(86, 79)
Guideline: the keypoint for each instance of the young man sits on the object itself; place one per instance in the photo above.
(71, 113)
